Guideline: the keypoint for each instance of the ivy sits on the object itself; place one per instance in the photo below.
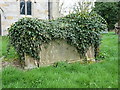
(80, 30)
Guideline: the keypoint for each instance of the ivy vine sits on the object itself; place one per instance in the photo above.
(80, 30)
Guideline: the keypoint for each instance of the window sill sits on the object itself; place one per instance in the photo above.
(26, 15)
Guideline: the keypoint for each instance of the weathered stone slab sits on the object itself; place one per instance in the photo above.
(55, 51)
(30, 62)
(90, 54)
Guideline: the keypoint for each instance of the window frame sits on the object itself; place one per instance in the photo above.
(26, 8)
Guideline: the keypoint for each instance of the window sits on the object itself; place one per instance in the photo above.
(28, 7)
(22, 7)
(25, 7)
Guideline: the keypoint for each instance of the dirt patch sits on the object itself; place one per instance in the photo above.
(15, 63)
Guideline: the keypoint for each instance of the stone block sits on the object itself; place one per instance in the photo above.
(56, 51)
(9, 17)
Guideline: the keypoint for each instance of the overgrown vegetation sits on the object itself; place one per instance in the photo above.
(109, 11)
(97, 75)
(81, 30)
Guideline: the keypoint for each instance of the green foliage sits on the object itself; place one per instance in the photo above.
(109, 11)
(81, 30)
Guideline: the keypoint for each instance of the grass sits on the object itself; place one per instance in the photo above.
(96, 75)
(4, 44)
(0, 46)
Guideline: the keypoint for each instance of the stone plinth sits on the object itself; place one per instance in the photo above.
(57, 51)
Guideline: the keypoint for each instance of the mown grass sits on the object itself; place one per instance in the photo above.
(4, 46)
(96, 75)
(0, 46)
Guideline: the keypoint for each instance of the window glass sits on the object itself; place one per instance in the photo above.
(22, 7)
(29, 7)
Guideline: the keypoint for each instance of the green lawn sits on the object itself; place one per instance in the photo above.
(96, 75)
(0, 46)
(3, 51)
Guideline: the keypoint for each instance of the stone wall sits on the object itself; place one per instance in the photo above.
(117, 28)
(54, 10)
(12, 11)
(56, 51)
(10, 14)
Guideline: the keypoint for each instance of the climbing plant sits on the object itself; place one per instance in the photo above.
(80, 30)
